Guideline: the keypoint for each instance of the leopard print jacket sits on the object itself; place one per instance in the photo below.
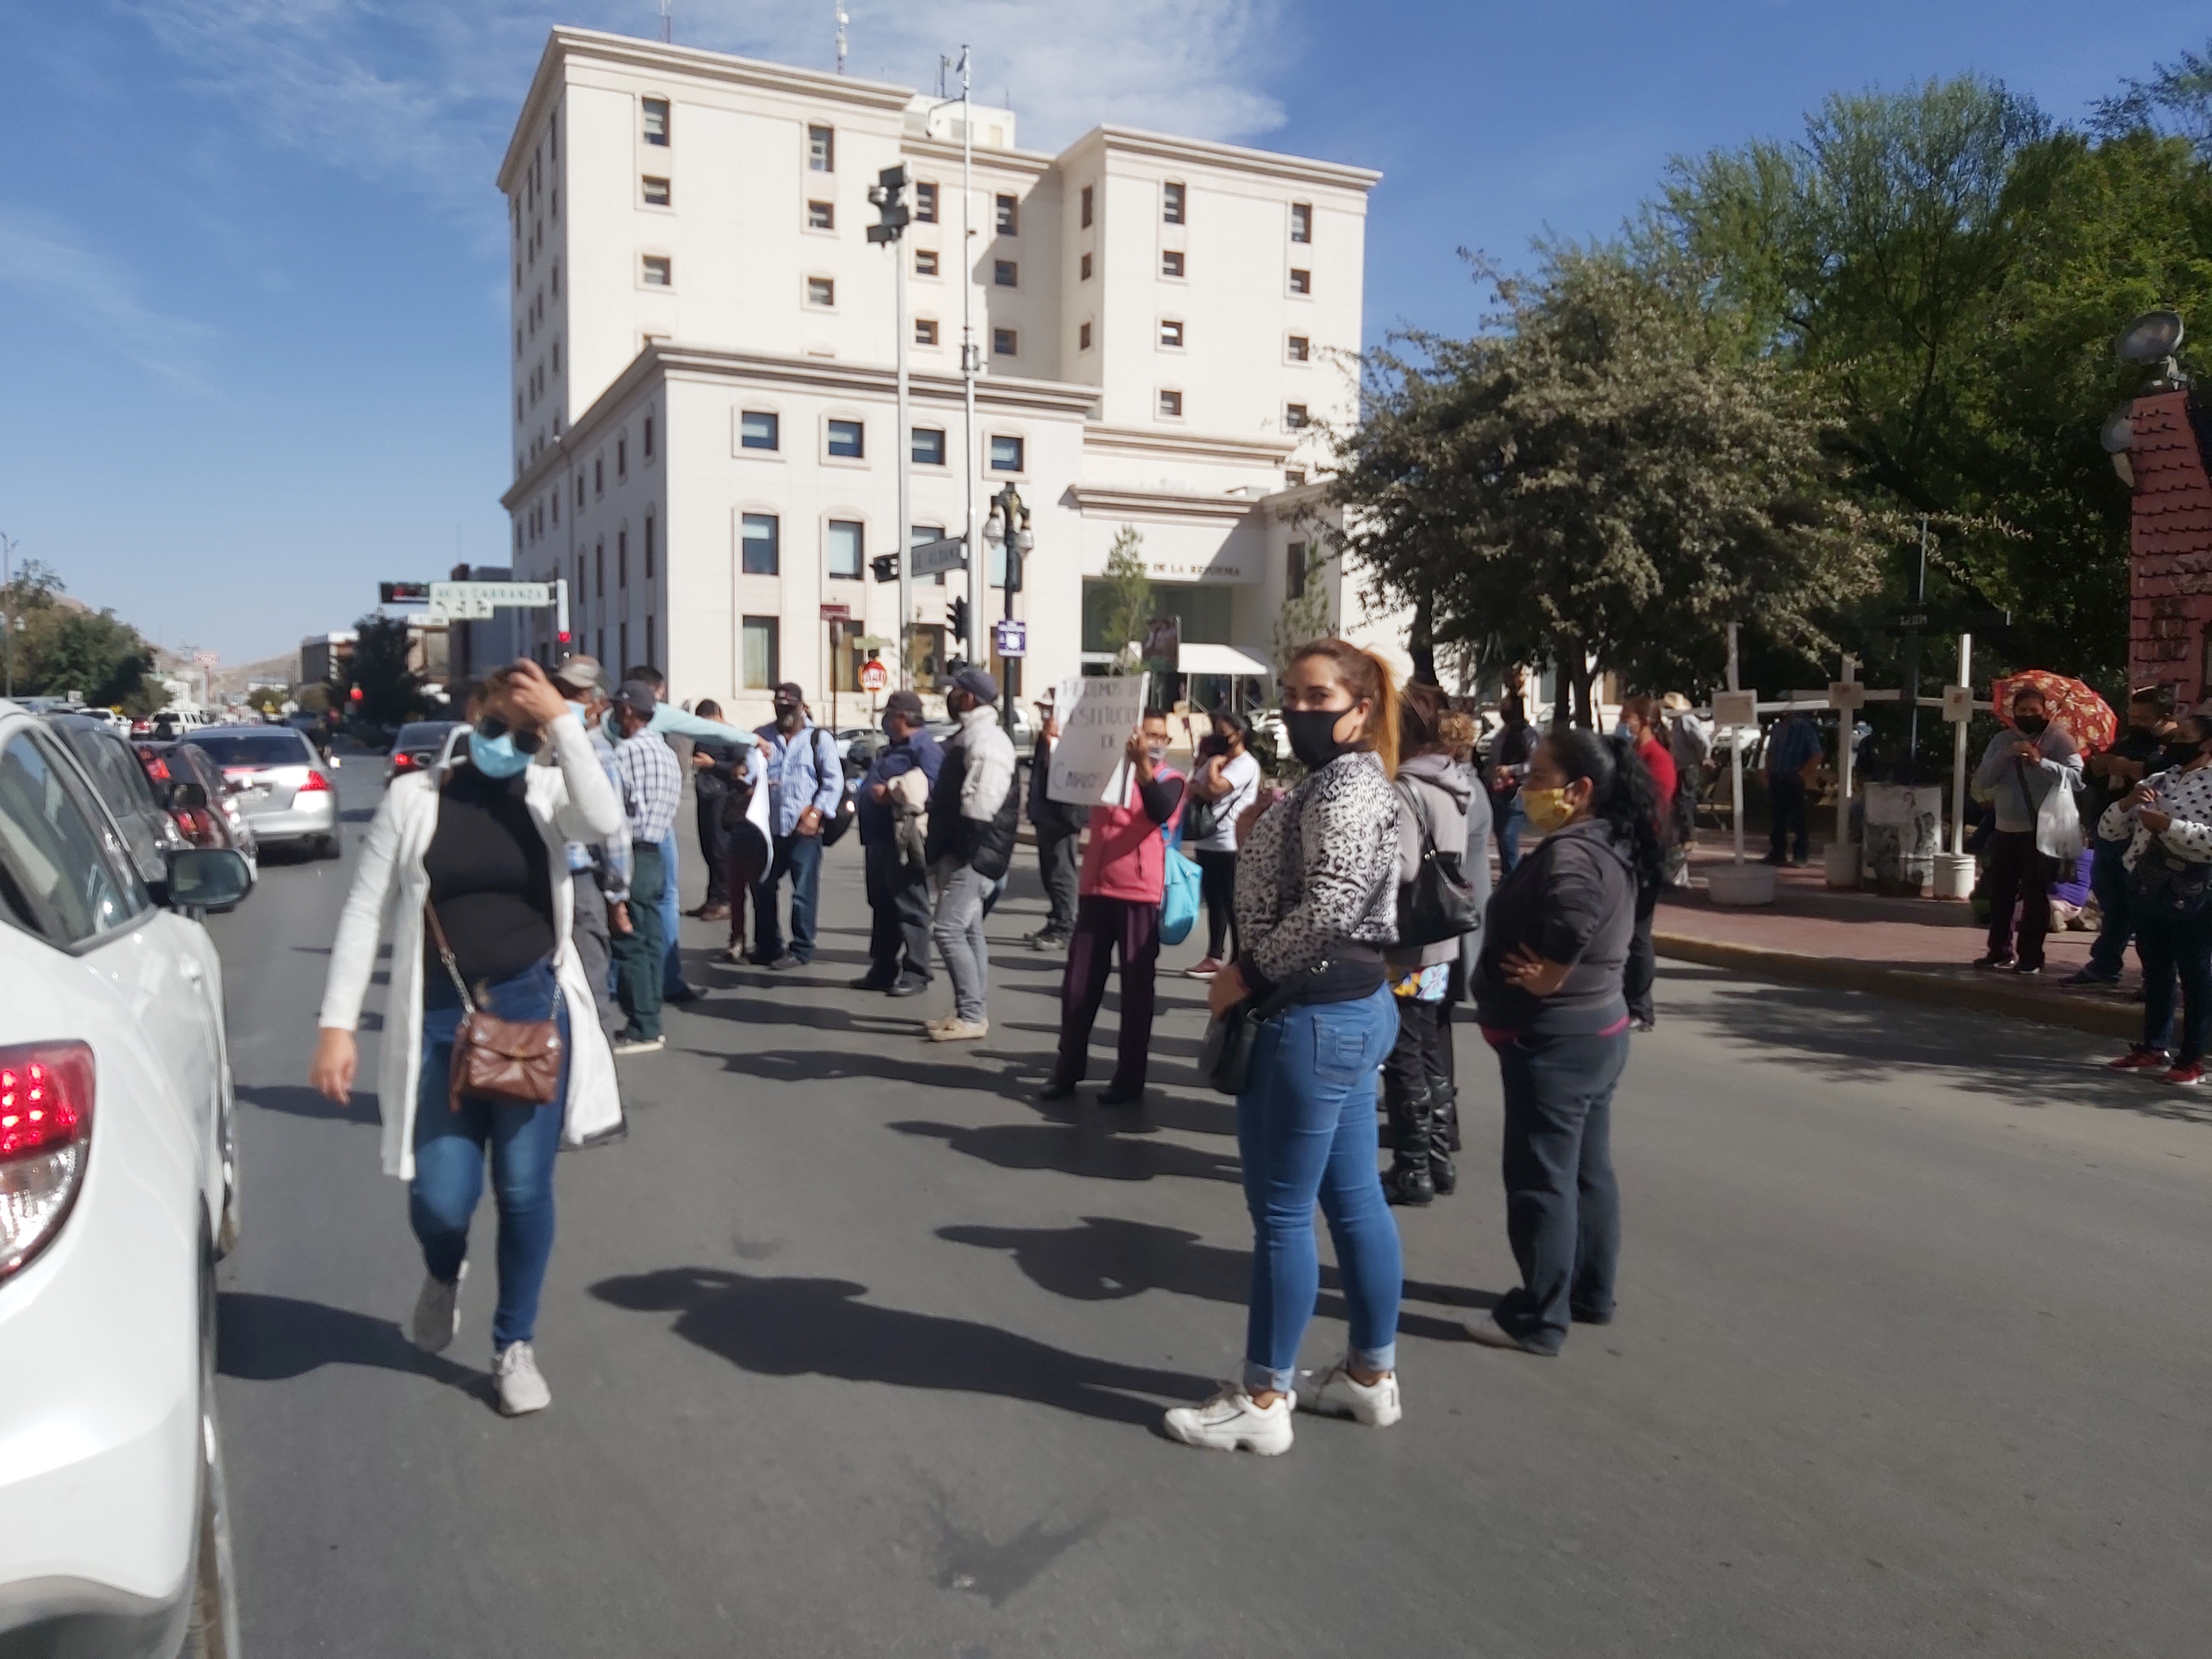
(1321, 866)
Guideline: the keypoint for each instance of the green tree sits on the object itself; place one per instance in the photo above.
(1306, 615)
(1600, 479)
(391, 690)
(95, 655)
(1127, 607)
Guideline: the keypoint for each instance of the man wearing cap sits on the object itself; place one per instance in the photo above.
(1059, 827)
(805, 782)
(652, 789)
(971, 843)
(898, 891)
(599, 872)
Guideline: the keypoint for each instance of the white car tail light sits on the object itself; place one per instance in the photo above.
(45, 1132)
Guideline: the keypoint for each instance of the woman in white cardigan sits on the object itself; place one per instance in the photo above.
(486, 840)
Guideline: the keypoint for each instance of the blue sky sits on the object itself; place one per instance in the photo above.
(251, 252)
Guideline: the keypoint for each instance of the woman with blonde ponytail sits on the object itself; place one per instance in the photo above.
(1316, 904)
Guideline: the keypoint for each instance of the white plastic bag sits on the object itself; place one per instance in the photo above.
(2058, 825)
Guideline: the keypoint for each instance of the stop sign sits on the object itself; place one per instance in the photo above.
(874, 676)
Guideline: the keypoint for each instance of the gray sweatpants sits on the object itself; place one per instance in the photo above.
(589, 930)
(961, 894)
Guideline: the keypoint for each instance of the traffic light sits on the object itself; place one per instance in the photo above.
(885, 565)
(403, 592)
(958, 613)
(888, 195)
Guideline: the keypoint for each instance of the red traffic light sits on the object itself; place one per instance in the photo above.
(355, 694)
(564, 636)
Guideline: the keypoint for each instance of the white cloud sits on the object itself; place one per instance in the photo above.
(425, 93)
(43, 263)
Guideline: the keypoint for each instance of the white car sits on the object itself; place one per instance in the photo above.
(118, 1192)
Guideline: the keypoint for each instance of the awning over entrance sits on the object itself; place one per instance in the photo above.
(1193, 658)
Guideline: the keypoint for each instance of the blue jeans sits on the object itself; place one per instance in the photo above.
(450, 1148)
(671, 976)
(800, 856)
(1305, 1130)
(1508, 817)
(2108, 880)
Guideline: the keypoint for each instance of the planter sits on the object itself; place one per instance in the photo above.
(1740, 883)
(1844, 864)
(1955, 875)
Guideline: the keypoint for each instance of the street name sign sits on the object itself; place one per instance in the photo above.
(836, 613)
(476, 601)
(1011, 638)
(948, 553)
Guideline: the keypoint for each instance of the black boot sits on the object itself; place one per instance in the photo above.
(1443, 1136)
(1406, 1181)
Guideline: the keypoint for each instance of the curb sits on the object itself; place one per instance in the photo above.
(1929, 987)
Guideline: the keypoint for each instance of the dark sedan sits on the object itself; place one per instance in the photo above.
(418, 747)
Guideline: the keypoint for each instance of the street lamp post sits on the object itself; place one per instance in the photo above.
(1008, 526)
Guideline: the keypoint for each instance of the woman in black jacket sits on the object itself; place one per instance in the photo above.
(1548, 993)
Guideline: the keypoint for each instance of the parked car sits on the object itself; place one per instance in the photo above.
(416, 746)
(139, 810)
(119, 1171)
(203, 802)
(284, 787)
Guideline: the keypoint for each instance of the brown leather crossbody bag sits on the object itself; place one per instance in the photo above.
(516, 1060)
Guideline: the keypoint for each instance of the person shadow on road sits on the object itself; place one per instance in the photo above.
(799, 1327)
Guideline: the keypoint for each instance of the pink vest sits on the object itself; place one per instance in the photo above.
(1124, 859)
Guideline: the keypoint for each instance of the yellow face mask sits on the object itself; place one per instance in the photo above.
(1546, 809)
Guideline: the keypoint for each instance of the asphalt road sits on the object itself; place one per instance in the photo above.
(854, 1350)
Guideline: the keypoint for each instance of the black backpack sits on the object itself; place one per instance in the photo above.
(1438, 904)
(841, 817)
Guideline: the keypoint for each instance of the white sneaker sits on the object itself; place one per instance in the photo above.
(640, 1045)
(437, 1319)
(521, 1388)
(958, 1030)
(1338, 1393)
(1230, 1421)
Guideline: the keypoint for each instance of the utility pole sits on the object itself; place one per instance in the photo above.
(969, 357)
(889, 197)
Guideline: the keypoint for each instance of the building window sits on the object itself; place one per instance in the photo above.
(757, 429)
(821, 216)
(1083, 337)
(557, 279)
(518, 409)
(925, 330)
(1086, 207)
(600, 571)
(1294, 571)
(847, 440)
(761, 668)
(1009, 215)
(843, 548)
(1293, 477)
(762, 543)
(621, 558)
(1294, 417)
(660, 271)
(1086, 268)
(556, 354)
(656, 120)
(1171, 334)
(820, 291)
(1004, 273)
(1171, 205)
(651, 655)
(1171, 262)
(579, 499)
(1171, 405)
(599, 475)
(925, 262)
(1301, 281)
(580, 576)
(925, 202)
(1005, 343)
(553, 504)
(622, 459)
(622, 637)
(1006, 454)
(648, 437)
(656, 192)
(1301, 348)
(821, 150)
(1301, 222)
(929, 446)
(648, 558)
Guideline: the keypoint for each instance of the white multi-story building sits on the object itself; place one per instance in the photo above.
(704, 345)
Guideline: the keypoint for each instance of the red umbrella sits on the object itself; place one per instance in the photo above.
(2087, 718)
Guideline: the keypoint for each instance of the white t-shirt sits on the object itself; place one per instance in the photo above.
(1242, 775)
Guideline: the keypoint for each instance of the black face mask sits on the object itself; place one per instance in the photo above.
(2181, 751)
(2030, 725)
(1313, 735)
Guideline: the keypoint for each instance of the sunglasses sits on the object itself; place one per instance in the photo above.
(491, 728)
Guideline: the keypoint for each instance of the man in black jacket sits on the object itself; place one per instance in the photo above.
(1059, 827)
(713, 761)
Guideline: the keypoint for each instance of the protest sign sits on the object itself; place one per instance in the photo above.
(1096, 712)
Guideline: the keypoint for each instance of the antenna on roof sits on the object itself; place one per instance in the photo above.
(842, 19)
(667, 21)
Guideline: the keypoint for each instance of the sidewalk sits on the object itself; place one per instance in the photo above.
(1916, 948)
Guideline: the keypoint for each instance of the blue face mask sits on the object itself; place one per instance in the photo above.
(496, 758)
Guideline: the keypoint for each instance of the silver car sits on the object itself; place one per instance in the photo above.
(283, 789)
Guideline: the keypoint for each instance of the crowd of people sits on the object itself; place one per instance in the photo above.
(532, 882)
